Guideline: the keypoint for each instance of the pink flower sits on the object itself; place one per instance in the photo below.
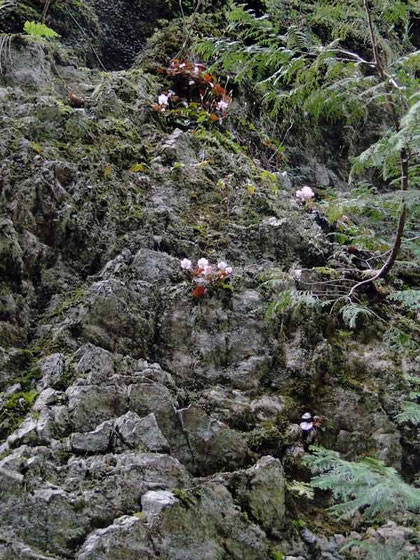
(222, 105)
(202, 263)
(186, 264)
(306, 193)
(207, 270)
(222, 265)
(228, 270)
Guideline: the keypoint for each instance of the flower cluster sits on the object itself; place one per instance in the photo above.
(309, 423)
(193, 84)
(305, 194)
(163, 100)
(204, 274)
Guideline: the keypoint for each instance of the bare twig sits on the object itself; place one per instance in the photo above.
(404, 162)
(412, 239)
(187, 29)
(5, 51)
(83, 33)
(45, 10)
(382, 272)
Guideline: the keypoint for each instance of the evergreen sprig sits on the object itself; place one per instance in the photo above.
(367, 485)
(410, 299)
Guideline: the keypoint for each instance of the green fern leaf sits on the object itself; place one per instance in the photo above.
(410, 413)
(410, 299)
(39, 30)
(352, 312)
(367, 485)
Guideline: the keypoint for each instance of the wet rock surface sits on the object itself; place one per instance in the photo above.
(137, 421)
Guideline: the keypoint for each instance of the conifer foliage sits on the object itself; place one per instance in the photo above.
(367, 485)
(335, 61)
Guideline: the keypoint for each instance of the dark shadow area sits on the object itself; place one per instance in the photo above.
(100, 32)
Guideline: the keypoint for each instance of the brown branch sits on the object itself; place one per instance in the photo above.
(382, 272)
(45, 10)
(404, 161)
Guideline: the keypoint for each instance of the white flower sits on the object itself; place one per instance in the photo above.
(202, 263)
(222, 265)
(222, 105)
(306, 426)
(228, 270)
(306, 193)
(186, 264)
(163, 99)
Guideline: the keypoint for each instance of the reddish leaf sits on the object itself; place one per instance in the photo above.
(76, 100)
(219, 90)
(199, 291)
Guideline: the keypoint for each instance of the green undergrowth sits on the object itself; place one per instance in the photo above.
(76, 297)
(15, 410)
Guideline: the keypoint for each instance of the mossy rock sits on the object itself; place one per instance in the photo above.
(14, 411)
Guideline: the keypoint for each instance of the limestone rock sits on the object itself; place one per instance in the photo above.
(154, 502)
(126, 537)
(52, 369)
(262, 488)
(96, 363)
(213, 444)
(98, 441)
(140, 433)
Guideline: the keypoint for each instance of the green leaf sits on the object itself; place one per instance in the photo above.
(138, 168)
(39, 30)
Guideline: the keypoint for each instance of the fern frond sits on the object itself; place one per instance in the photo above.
(399, 341)
(410, 413)
(352, 312)
(301, 489)
(39, 30)
(4, 4)
(291, 299)
(385, 152)
(367, 485)
(378, 550)
(410, 299)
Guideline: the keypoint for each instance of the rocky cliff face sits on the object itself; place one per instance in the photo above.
(138, 421)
